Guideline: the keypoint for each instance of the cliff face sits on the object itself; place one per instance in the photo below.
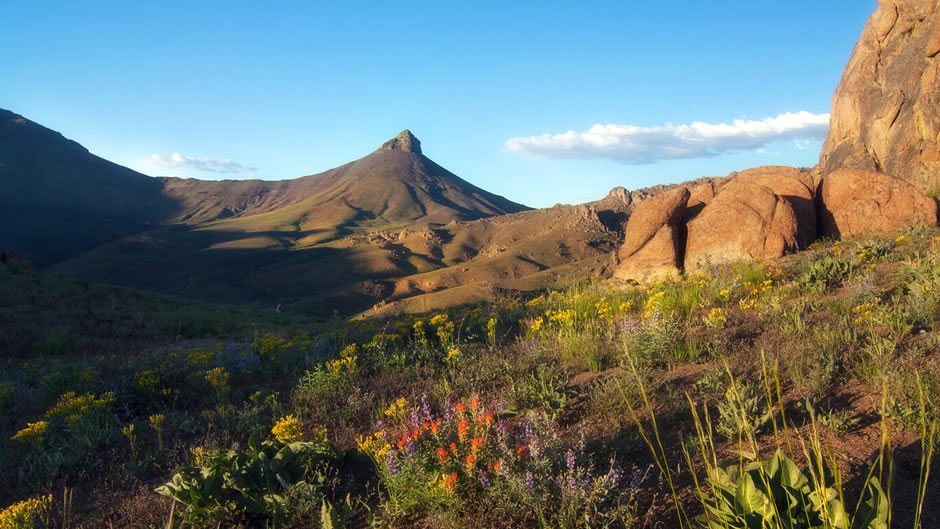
(886, 109)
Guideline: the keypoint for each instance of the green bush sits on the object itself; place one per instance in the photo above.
(226, 485)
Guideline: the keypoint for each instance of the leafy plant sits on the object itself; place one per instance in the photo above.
(544, 389)
(742, 411)
(231, 484)
(826, 273)
(776, 494)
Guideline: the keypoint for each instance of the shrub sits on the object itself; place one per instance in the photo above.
(229, 485)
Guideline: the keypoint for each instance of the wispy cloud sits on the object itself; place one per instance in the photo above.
(640, 145)
(199, 163)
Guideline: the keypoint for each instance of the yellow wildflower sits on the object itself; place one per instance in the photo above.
(287, 429)
(33, 512)
(398, 409)
(375, 446)
(716, 318)
(453, 354)
(535, 325)
(33, 434)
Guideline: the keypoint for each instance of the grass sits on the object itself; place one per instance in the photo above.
(597, 405)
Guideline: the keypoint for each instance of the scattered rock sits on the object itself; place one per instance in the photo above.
(855, 201)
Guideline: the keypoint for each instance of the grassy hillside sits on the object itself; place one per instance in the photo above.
(42, 315)
(592, 406)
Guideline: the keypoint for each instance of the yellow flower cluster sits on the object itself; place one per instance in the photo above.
(863, 313)
(536, 325)
(287, 429)
(26, 514)
(564, 317)
(375, 446)
(74, 407)
(535, 303)
(398, 409)
(603, 309)
(217, 378)
(453, 354)
(33, 434)
(748, 303)
(653, 303)
(346, 363)
(725, 294)
(444, 327)
(491, 330)
(716, 318)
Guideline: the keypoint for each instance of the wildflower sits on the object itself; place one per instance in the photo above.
(462, 428)
(218, 380)
(564, 318)
(397, 409)
(403, 441)
(520, 451)
(488, 418)
(441, 454)
(460, 408)
(569, 460)
(477, 443)
(535, 325)
(496, 466)
(426, 407)
(74, 407)
(747, 303)
(470, 462)
(199, 455)
(725, 294)
(491, 330)
(474, 403)
(450, 482)
(716, 318)
(453, 447)
(653, 303)
(33, 434)
(529, 481)
(900, 239)
(391, 463)
(484, 480)
(287, 429)
(156, 421)
(436, 427)
(33, 512)
(374, 446)
(453, 354)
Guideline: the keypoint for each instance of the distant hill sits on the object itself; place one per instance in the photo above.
(58, 200)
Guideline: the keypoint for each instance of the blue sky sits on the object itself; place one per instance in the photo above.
(235, 89)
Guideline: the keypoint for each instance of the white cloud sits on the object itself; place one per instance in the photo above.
(639, 145)
(199, 163)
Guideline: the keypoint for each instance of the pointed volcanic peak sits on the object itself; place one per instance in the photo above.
(394, 187)
(57, 199)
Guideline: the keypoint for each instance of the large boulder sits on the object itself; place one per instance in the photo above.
(855, 201)
(886, 109)
(653, 242)
(794, 185)
(745, 221)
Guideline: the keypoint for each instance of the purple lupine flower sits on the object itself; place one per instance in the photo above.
(636, 479)
(391, 462)
(410, 446)
(529, 481)
(614, 475)
(484, 480)
(415, 420)
(570, 460)
(426, 407)
(448, 408)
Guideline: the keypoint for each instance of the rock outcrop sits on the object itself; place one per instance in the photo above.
(855, 202)
(886, 109)
(744, 221)
(654, 233)
(794, 185)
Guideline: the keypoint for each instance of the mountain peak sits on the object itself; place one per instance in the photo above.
(405, 141)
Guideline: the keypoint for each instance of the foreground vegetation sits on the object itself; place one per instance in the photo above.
(800, 393)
